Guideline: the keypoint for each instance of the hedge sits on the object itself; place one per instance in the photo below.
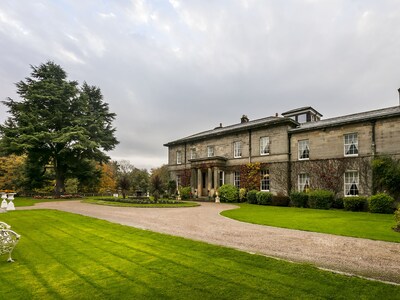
(264, 198)
(320, 199)
(252, 196)
(298, 199)
(355, 203)
(185, 192)
(381, 204)
(228, 193)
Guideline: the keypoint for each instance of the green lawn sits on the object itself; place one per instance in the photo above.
(148, 205)
(28, 201)
(355, 224)
(68, 256)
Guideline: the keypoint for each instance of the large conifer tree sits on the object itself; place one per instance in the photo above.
(57, 124)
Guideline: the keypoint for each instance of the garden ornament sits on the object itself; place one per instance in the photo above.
(8, 240)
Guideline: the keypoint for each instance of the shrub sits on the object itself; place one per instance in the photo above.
(337, 203)
(381, 204)
(242, 195)
(298, 199)
(355, 203)
(320, 199)
(185, 192)
(264, 198)
(252, 196)
(397, 219)
(228, 193)
(280, 200)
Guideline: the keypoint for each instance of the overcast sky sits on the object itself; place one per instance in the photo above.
(169, 69)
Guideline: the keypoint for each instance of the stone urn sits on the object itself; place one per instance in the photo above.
(10, 205)
(4, 202)
(217, 200)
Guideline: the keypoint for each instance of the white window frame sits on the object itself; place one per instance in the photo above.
(265, 181)
(303, 180)
(349, 140)
(236, 179)
(351, 177)
(179, 157)
(302, 146)
(192, 153)
(237, 149)
(264, 145)
(210, 151)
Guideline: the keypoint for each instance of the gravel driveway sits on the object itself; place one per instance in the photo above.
(373, 259)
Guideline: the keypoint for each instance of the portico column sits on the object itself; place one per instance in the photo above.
(199, 183)
(193, 183)
(209, 178)
(216, 172)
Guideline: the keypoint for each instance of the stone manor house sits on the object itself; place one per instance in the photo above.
(296, 152)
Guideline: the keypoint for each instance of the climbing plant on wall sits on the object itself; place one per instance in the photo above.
(250, 176)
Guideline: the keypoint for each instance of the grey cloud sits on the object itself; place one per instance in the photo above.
(170, 69)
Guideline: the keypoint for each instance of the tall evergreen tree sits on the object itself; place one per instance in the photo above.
(57, 124)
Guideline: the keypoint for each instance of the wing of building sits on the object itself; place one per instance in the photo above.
(294, 152)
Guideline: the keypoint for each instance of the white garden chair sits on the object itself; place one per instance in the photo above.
(8, 240)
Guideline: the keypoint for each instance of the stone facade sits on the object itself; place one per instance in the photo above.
(297, 151)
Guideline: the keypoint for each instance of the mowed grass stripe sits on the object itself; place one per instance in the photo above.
(223, 267)
(271, 274)
(171, 262)
(153, 265)
(131, 259)
(109, 266)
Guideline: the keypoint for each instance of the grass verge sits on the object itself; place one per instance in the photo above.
(346, 223)
(28, 201)
(68, 256)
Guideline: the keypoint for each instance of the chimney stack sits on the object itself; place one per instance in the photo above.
(399, 95)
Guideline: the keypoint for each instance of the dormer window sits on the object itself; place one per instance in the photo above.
(303, 114)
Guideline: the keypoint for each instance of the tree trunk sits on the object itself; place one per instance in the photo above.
(60, 182)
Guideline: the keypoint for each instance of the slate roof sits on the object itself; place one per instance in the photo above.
(350, 119)
(220, 131)
(271, 121)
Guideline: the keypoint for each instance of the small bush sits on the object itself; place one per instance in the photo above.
(320, 199)
(264, 198)
(337, 203)
(298, 199)
(185, 192)
(242, 195)
(280, 200)
(252, 196)
(381, 204)
(228, 193)
(397, 219)
(355, 203)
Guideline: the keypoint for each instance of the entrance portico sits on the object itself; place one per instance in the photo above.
(207, 175)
